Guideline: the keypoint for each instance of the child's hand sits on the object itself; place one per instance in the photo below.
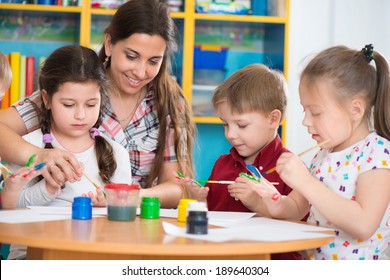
(194, 191)
(14, 184)
(245, 190)
(21, 177)
(259, 197)
(191, 188)
(97, 199)
(293, 170)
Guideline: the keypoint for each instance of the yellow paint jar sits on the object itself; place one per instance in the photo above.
(182, 209)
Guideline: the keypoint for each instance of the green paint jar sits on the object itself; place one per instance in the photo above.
(150, 208)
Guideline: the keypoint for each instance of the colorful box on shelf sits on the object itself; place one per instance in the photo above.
(107, 4)
(238, 7)
(209, 57)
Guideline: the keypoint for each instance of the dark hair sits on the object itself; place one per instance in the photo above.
(152, 17)
(254, 88)
(76, 64)
(351, 72)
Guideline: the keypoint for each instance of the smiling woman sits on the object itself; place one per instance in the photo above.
(144, 108)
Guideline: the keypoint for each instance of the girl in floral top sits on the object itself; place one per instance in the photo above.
(144, 110)
(347, 185)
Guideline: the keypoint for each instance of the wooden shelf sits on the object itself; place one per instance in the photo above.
(190, 19)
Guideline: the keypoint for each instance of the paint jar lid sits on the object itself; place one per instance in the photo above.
(123, 187)
(196, 206)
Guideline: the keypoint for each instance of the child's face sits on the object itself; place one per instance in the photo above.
(324, 117)
(248, 132)
(75, 109)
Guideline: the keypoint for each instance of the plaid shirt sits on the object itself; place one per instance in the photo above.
(139, 137)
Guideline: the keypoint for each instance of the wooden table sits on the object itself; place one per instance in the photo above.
(100, 238)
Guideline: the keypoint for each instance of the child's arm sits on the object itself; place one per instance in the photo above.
(359, 217)
(264, 199)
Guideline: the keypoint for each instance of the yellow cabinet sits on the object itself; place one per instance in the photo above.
(236, 39)
(232, 41)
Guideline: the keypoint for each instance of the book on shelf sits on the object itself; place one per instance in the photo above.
(30, 74)
(5, 101)
(15, 84)
(22, 78)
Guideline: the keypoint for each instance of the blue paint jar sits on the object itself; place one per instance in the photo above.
(82, 208)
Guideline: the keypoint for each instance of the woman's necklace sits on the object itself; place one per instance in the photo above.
(130, 116)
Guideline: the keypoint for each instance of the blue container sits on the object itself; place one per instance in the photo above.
(209, 59)
(47, 2)
(259, 7)
(82, 208)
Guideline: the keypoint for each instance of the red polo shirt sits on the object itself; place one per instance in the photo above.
(229, 166)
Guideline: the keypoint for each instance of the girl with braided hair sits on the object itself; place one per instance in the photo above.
(72, 82)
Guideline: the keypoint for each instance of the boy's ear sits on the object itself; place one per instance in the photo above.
(275, 118)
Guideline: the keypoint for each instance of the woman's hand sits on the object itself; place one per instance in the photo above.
(61, 166)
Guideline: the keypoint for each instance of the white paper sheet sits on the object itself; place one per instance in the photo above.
(251, 233)
(215, 217)
(28, 216)
(50, 210)
(261, 221)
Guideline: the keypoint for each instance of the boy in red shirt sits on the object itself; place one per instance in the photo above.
(251, 104)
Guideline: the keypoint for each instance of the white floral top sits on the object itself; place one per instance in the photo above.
(339, 172)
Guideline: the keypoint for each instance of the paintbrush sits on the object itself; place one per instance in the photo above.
(92, 182)
(300, 155)
(215, 182)
(5, 168)
(224, 182)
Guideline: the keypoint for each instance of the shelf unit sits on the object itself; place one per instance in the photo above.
(189, 20)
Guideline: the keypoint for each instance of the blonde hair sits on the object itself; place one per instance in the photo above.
(254, 88)
(5, 74)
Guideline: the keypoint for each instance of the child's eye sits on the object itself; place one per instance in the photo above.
(91, 105)
(68, 105)
(242, 125)
(315, 114)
